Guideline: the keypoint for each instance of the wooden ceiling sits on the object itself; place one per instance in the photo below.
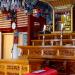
(56, 3)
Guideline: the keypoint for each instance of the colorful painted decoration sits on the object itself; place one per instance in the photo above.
(45, 11)
(43, 8)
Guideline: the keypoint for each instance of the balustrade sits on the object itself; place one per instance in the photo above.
(56, 52)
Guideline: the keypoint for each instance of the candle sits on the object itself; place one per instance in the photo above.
(62, 26)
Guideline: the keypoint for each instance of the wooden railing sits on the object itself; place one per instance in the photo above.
(57, 35)
(52, 52)
(54, 39)
(52, 42)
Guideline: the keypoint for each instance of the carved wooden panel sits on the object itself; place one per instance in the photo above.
(24, 68)
(35, 51)
(15, 67)
(67, 52)
(9, 73)
(57, 51)
(48, 51)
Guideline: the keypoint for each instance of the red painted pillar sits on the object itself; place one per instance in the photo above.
(15, 51)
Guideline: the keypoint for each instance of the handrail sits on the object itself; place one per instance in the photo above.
(51, 41)
(54, 35)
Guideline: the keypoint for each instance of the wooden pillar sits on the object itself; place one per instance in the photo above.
(72, 18)
(30, 29)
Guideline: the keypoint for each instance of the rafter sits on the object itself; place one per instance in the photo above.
(55, 3)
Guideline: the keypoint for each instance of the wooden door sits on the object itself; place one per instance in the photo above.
(7, 45)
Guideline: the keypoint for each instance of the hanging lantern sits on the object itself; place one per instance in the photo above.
(13, 25)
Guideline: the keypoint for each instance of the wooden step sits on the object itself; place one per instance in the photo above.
(53, 42)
